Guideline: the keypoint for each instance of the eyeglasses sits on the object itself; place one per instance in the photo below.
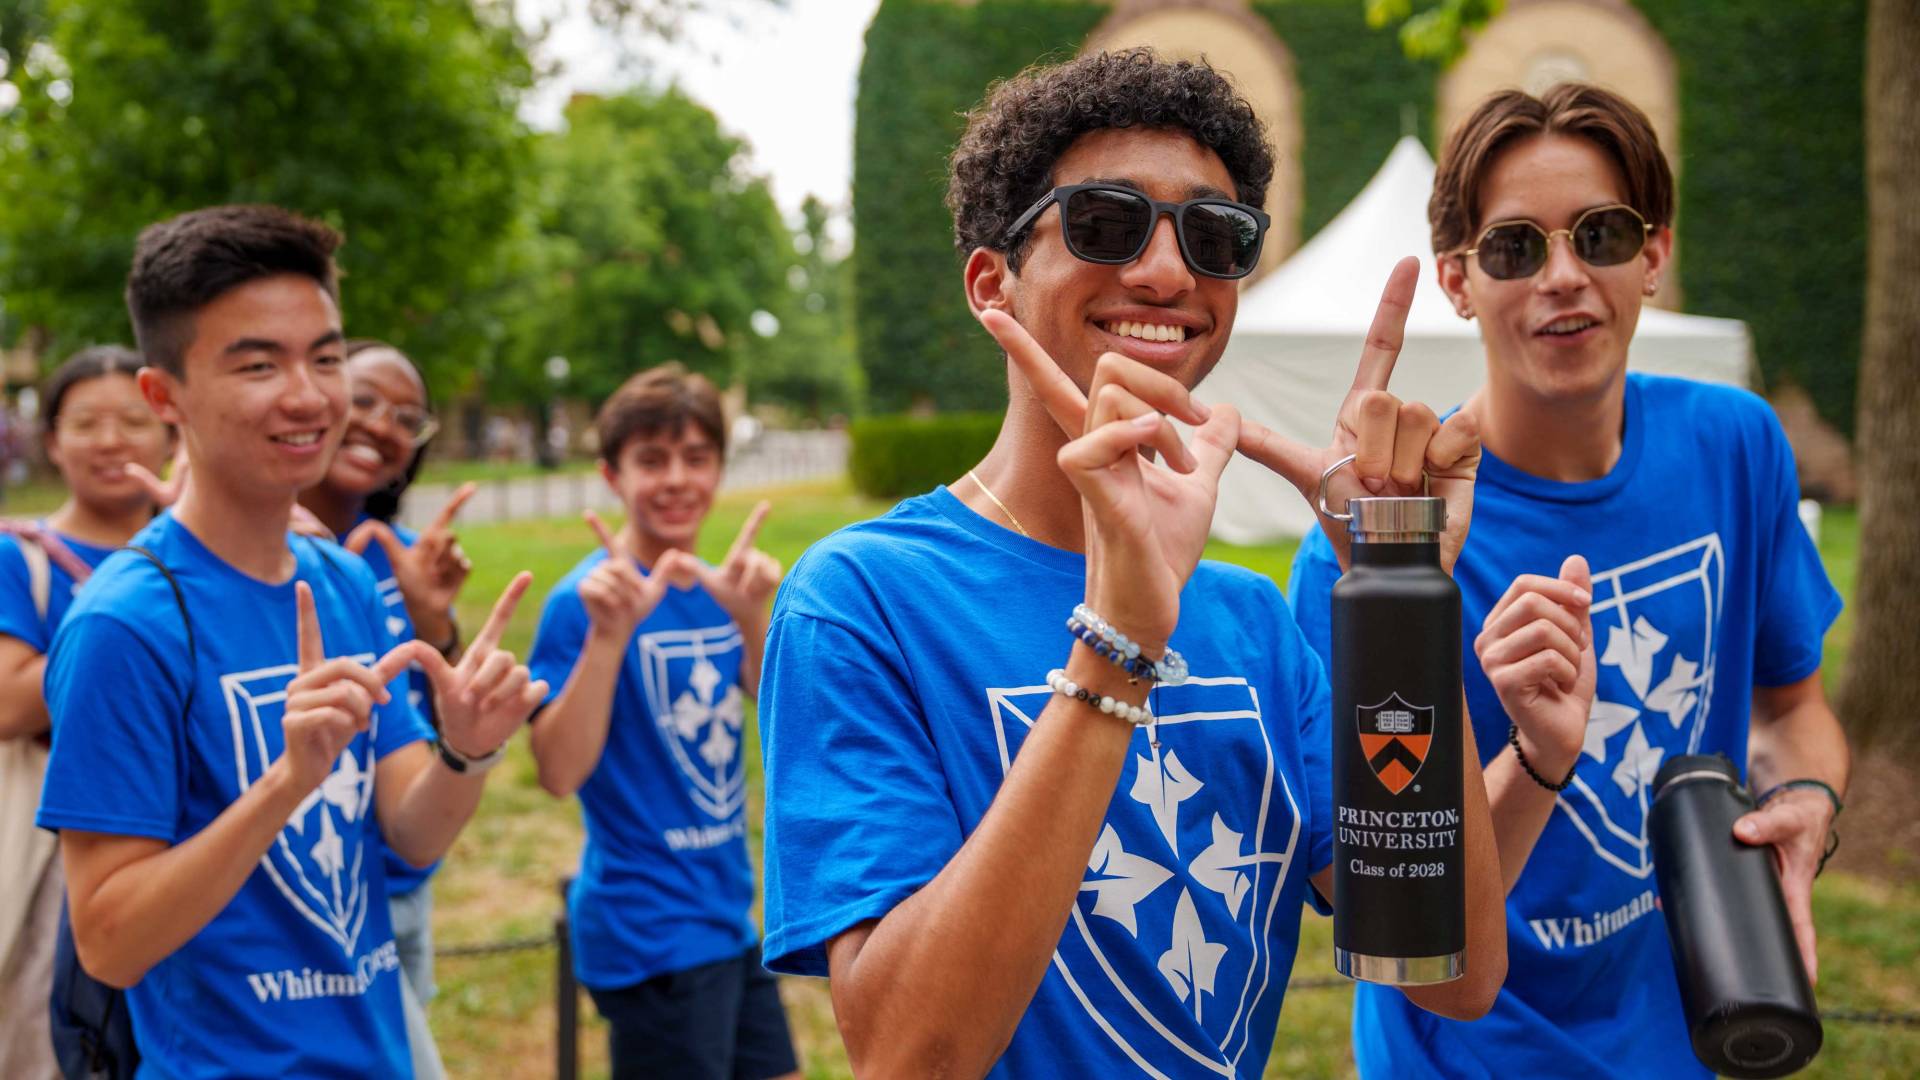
(418, 424)
(93, 428)
(1603, 236)
(1105, 223)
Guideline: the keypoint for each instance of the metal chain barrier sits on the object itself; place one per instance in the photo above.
(494, 948)
(567, 989)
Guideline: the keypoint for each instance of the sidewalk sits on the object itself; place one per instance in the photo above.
(775, 457)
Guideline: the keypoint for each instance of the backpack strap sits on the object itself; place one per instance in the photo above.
(179, 598)
(39, 573)
(64, 557)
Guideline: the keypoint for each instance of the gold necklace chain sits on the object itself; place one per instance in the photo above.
(1017, 527)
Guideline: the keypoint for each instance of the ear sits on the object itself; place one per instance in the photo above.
(990, 282)
(611, 475)
(1451, 272)
(1658, 252)
(50, 446)
(162, 392)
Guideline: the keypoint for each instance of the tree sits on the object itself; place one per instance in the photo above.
(1438, 33)
(393, 120)
(1880, 698)
(647, 239)
(808, 363)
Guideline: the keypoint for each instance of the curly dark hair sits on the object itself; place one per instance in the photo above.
(1004, 161)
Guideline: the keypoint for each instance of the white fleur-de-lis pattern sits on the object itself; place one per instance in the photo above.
(1656, 621)
(1184, 871)
(699, 708)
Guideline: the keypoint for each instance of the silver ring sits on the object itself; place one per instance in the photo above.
(1321, 499)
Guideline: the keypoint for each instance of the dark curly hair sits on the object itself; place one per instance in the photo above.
(1004, 161)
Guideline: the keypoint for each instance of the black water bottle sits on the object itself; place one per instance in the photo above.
(1399, 867)
(1750, 1009)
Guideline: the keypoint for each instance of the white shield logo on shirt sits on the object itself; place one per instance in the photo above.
(1656, 625)
(318, 862)
(699, 711)
(1183, 874)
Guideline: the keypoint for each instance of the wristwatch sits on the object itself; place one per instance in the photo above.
(460, 763)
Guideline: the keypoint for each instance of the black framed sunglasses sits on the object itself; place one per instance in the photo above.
(1603, 236)
(1107, 223)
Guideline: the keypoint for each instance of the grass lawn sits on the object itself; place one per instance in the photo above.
(495, 1015)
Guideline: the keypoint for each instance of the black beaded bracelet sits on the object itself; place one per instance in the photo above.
(1833, 831)
(1513, 740)
(1803, 782)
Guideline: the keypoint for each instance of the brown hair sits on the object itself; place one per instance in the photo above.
(1608, 120)
(662, 399)
(184, 263)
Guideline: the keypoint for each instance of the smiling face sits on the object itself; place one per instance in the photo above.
(264, 397)
(375, 452)
(105, 425)
(1561, 334)
(1154, 309)
(666, 479)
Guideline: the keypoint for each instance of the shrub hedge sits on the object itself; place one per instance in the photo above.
(896, 456)
(1772, 215)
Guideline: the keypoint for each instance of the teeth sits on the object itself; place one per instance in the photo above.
(1148, 331)
(1569, 326)
(303, 439)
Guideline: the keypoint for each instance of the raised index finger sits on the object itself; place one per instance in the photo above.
(460, 496)
(600, 530)
(489, 637)
(744, 542)
(1062, 399)
(312, 650)
(1389, 329)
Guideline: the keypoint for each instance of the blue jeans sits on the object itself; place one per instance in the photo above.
(413, 937)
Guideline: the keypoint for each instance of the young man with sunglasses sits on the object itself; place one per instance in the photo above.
(1636, 533)
(1100, 867)
(229, 724)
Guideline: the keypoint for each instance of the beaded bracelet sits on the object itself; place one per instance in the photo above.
(1170, 669)
(1136, 667)
(1513, 739)
(1137, 715)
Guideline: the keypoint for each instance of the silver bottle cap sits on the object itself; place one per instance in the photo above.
(1387, 518)
(1408, 519)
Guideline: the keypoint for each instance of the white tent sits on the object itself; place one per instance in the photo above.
(1298, 336)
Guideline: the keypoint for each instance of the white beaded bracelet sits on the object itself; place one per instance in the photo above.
(1137, 715)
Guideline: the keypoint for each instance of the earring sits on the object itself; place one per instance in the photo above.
(1651, 287)
(1465, 311)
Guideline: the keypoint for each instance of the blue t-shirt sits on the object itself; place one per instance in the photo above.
(664, 882)
(402, 877)
(18, 618)
(298, 975)
(1705, 585)
(908, 660)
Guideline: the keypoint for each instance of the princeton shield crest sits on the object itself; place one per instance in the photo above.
(1394, 738)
